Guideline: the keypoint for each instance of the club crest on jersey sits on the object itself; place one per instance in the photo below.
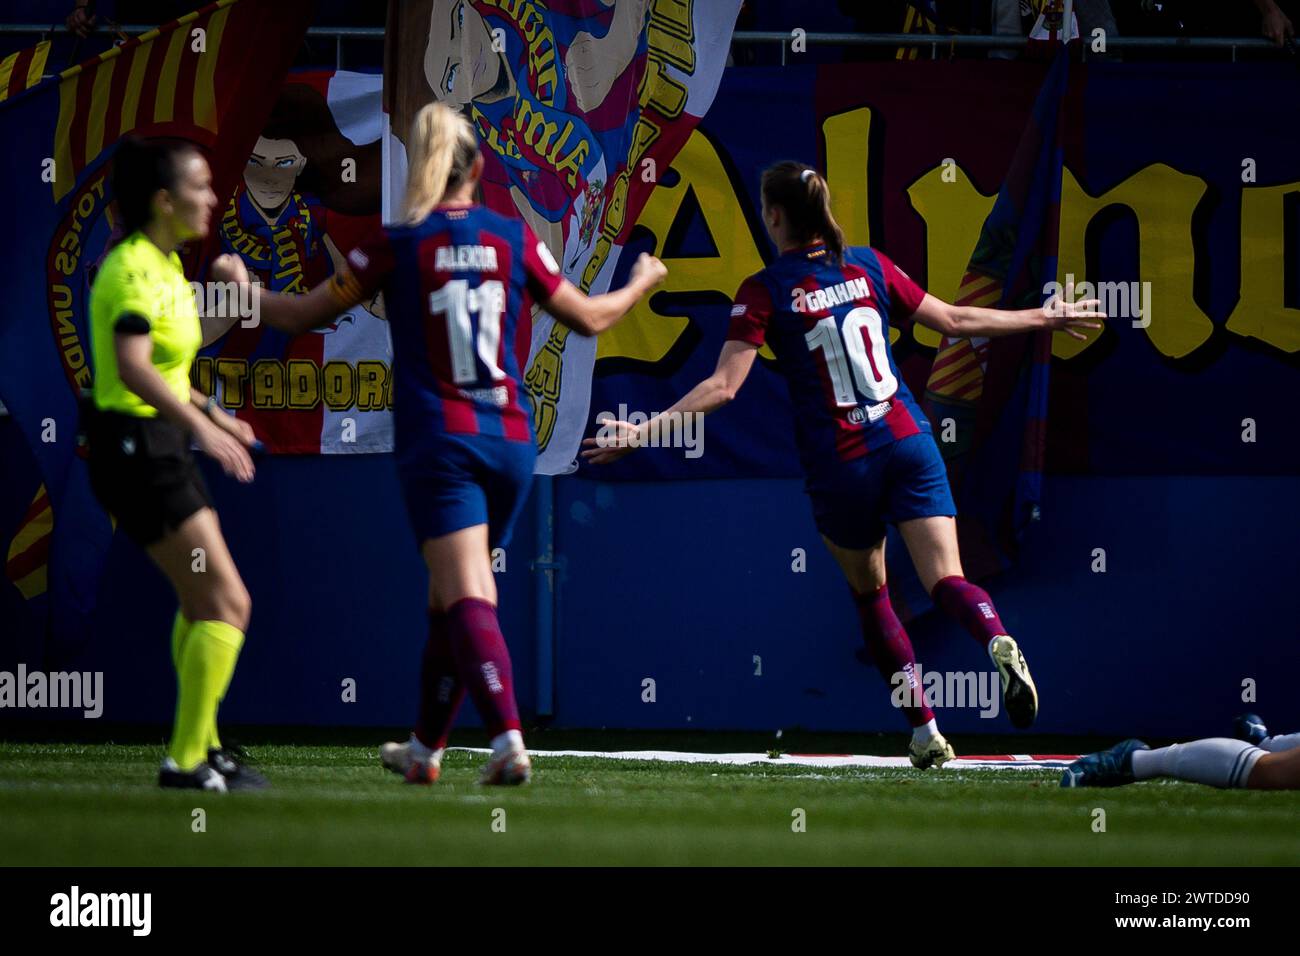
(819, 300)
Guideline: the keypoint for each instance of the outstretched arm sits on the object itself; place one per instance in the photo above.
(296, 314)
(591, 315)
(963, 322)
(718, 389)
(587, 315)
(293, 314)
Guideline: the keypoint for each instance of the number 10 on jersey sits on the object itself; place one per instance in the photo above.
(850, 360)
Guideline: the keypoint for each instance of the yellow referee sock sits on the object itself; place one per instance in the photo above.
(207, 662)
(181, 628)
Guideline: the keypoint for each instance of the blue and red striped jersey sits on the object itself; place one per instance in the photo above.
(827, 323)
(458, 293)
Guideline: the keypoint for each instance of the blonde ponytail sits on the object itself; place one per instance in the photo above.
(441, 149)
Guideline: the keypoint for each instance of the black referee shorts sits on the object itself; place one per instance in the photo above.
(142, 472)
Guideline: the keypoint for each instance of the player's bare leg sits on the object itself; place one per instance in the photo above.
(890, 648)
(214, 614)
(216, 594)
(932, 543)
(1276, 770)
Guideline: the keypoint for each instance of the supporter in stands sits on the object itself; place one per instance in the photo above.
(1017, 18)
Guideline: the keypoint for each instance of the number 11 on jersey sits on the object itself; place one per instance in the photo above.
(456, 301)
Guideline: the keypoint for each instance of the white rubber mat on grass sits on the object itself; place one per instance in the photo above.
(982, 761)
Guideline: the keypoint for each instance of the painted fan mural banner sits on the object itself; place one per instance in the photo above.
(578, 104)
(201, 78)
(1177, 198)
(310, 191)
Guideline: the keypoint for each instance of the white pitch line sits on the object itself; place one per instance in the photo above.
(996, 762)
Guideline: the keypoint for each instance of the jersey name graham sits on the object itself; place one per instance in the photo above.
(827, 322)
(819, 300)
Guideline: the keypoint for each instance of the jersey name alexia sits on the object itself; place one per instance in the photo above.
(465, 259)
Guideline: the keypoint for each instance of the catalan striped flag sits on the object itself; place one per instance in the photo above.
(203, 78)
(993, 393)
(958, 372)
(29, 551)
(163, 82)
(23, 69)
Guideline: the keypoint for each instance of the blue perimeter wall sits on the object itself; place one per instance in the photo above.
(687, 582)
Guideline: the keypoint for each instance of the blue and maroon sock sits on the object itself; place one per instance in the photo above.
(971, 605)
(441, 690)
(891, 650)
(483, 663)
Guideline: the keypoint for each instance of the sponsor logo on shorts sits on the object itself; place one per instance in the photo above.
(497, 395)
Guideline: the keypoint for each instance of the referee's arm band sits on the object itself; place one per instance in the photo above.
(131, 323)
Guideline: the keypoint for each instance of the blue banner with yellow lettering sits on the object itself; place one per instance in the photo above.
(1179, 206)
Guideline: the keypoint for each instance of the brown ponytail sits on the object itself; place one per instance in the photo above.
(805, 197)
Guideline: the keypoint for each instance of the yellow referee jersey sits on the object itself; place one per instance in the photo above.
(137, 280)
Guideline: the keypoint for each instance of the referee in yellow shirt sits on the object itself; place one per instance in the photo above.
(145, 332)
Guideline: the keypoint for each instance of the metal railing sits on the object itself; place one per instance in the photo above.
(936, 42)
(953, 42)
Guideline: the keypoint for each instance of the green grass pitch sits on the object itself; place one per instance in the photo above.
(96, 804)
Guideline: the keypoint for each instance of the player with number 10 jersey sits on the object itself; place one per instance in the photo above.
(866, 447)
(827, 320)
